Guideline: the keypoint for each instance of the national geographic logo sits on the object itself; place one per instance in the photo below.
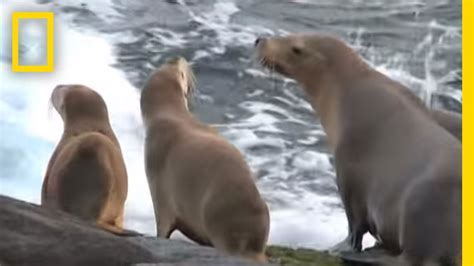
(33, 41)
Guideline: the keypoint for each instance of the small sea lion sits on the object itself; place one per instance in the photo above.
(86, 175)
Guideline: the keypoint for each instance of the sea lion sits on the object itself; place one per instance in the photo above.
(86, 175)
(449, 120)
(200, 184)
(398, 171)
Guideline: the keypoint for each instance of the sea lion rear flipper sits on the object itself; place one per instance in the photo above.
(118, 231)
(370, 257)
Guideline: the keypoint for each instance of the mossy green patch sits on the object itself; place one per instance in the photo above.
(301, 256)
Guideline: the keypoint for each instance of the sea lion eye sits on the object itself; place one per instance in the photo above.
(296, 50)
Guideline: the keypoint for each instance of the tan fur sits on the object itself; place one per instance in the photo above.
(86, 175)
(398, 170)
(200, 184)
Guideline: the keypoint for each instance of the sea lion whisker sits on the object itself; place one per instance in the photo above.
(273, 77)
(271, 67)
(263, 61)
(254, 59)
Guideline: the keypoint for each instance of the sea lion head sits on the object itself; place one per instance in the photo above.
(175, 73)
(171, 85)
(306, 57)
(74, 102)
(179, 69)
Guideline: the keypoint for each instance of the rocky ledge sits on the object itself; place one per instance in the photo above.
(31, 235)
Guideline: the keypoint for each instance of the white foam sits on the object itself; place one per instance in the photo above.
(103, 8)
(169, 38)
(200, 54)
(451, 30)
(255, 93)
(260, 107)
(255, 72)
(311, 160)
(219, 20)
(303, 228)
(308, 140)
(246, 139)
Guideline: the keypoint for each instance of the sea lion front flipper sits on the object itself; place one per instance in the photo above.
(376, 256)
(346, 176)
(350, 244)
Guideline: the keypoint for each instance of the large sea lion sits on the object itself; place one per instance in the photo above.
(200, 184)
(450, 121)
(86, 175)
(398, 170)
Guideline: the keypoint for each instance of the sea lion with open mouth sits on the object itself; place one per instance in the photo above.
(200, 184)
(86, 175)
(398, 170)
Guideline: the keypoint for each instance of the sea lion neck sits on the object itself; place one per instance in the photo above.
(324, 98)
(86, 119)
(163, 100)
(328, 87)
(76, 126)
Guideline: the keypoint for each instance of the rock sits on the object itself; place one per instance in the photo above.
(32, 235)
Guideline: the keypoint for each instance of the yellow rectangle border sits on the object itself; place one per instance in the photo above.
(49, 16)
(467, 173)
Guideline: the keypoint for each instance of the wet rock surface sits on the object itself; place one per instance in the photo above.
(32, 235)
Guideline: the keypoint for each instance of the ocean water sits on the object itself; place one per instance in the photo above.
(113, 45)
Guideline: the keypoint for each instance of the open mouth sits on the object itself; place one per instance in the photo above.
(189, 92)
(280, 69)
(191, 82)
(273, 66)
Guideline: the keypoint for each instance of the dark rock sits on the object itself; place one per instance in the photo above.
(32, 235)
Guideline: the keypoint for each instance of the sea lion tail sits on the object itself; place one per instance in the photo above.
(259, 257)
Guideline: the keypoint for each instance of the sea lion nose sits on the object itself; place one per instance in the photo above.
(259, 40)
(57, 94)
(60, 87)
